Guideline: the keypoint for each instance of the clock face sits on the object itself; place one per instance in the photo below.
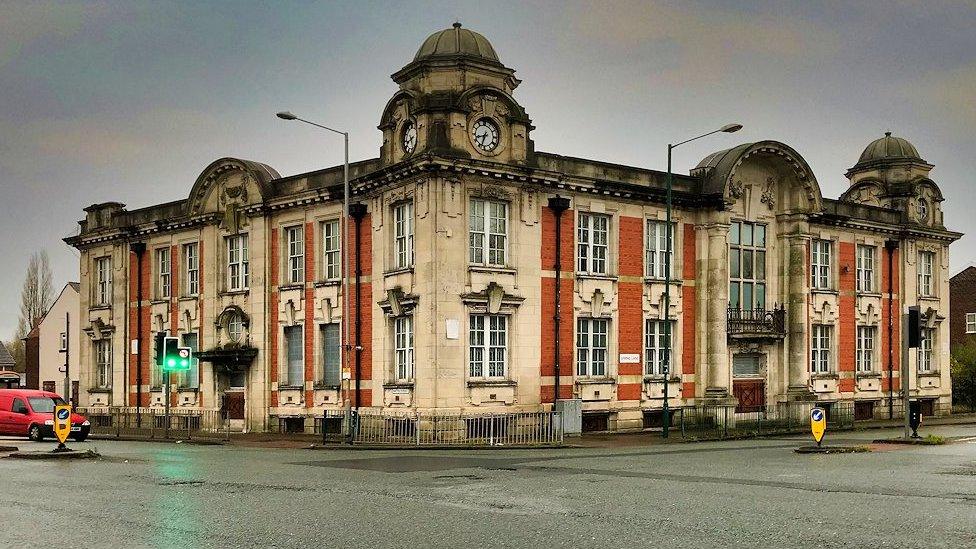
(485, 134)
(409, 137)
(922, 209)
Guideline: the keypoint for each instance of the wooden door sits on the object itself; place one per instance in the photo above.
(234, 402)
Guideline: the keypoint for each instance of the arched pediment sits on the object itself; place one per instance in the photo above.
(392, 114)
(866, 191)
(505, 106)
(239, 181)
(933, 190)
(788, 181)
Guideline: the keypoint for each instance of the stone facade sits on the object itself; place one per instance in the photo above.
(777, 292)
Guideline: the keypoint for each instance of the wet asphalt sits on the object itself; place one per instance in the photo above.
(753, 493)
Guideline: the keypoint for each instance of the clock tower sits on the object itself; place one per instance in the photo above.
(455, 99)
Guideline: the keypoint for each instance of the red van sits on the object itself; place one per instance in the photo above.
(25, 412)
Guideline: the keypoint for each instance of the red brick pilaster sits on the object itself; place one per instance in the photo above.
(200, 323)
(894, 300)
(364, 314)
(548, 309)
(689, 302)
(630, 289)
(135, 310)
(309, 310)
(846, 330)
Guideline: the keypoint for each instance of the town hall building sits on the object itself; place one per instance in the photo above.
(485, 275)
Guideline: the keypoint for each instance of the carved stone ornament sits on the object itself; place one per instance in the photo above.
(769, 193)
(495, 294)
(735, 189)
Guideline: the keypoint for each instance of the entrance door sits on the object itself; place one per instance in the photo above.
(234, 396)
(748, 383)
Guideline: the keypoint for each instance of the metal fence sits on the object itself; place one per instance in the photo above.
(153, 423)
(780, 418)
(374, 426)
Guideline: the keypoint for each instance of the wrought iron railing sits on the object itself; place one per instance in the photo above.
(759, 322)
(153, 423)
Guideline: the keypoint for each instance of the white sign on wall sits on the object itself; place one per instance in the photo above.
(630, 358)
(453, 328)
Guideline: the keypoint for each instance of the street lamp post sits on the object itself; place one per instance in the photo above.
(666, 361)
(346, 311)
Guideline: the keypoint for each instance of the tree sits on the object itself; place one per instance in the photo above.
(964, 375)
(35, 300)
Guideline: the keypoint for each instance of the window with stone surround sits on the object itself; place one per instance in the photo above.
(237, 263)
(654, 344)
(488, 232)
(592, 346)
(102, 351)
(747, 265)
(820, 264)
(925, 356)
(330, 374)
(865, 268)
(103, 281)
(403, 235)
(293, 374)
(655, 249)
(331, 251)
(190, 379)
(820, 348)
(592, 243)
(864, 352)
(487, 346)
(191, 266)
(295, 262)
(403, 347)
(926, 262)
(163, 273)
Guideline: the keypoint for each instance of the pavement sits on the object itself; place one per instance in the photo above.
(744, 493)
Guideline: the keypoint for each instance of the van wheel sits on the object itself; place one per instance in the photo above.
(34, 433)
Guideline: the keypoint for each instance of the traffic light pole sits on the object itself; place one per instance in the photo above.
(166, 393)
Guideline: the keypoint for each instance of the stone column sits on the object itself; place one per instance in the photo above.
(717, 303)
(797, 293)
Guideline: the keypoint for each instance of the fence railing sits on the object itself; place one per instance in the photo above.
(706, 421)
(373, 426)
(153, 423)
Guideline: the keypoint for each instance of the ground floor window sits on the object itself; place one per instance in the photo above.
(820, 349)
(331, 355)
(865, 348)
(403, 347)
(294, 371)
(925, 350)
(103, 363)
(488, 346)
(190, 379)
(655, 341)
(746, 366)
(591, 346)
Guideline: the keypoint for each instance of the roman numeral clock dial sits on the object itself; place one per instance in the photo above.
(485, 134)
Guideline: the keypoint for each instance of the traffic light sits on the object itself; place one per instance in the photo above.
(174, 357)
(914, 327)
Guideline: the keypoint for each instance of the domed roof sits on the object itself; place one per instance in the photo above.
(889, 148)
(456, 41)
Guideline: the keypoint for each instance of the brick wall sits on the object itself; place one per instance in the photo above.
(135, 309)
(548, 296)
(273, 316)
(630, 315)
(962, 300)
(689, 316)
(310, 263)
(365, 312)
(846, 330)
(895, 304)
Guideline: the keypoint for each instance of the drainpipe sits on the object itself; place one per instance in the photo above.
(890, 247)
(139, 248)
(558, 205)
(358, 212)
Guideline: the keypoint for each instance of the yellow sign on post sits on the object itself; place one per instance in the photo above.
(62, 422)
(818, 424)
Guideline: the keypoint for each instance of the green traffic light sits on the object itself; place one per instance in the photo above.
(172, 362)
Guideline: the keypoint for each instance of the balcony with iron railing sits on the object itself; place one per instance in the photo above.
(757, 323)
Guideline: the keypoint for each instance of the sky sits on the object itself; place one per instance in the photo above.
(130, 101)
